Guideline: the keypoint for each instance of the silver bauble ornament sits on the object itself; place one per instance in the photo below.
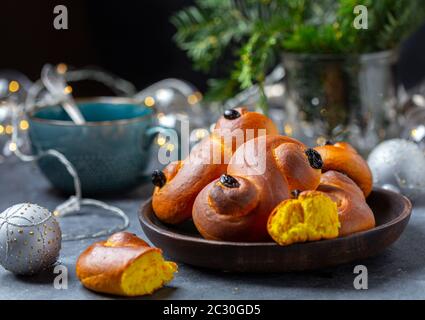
(399, 164)
(30, 239)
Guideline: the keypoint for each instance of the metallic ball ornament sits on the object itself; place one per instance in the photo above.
(30, 239)
(399, 164)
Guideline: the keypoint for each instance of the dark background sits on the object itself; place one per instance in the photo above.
(132, 39)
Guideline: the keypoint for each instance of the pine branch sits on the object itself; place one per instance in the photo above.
(258, 30)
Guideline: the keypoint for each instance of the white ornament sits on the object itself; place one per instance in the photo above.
(30, 239)
(399, 164)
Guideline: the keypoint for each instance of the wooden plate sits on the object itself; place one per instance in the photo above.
(184, 244)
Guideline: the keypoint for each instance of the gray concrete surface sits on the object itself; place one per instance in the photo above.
(397, 273)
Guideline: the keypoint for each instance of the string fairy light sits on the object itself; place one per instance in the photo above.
(320, 140)
(61, 68)
(161, 140)
(194, 98)
(201, 133)
(24, 125)
(14, 86)
(13, 146)
(149, 101)
(67, 90)
(9, 129)
(288, 130)
(76, 201)
(157, 95)
(170, 147)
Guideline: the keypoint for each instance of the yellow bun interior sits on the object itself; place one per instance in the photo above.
(313, 216)
(147, 274)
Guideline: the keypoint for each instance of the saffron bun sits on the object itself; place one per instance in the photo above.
(342, 157)
(180, 182)
(124, 265)
(354, 213)
(236, 206)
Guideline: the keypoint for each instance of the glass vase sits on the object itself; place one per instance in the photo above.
(341, 97)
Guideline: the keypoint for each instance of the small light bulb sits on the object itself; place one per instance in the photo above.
(24, 125)
(161, 140)
(170, 147)
(61, 68)
(67, 90)
(1, 129)
(13, 147)
(14, 86)
(275, 90)
(288, 129)
(149, 101)
(315, 101)
(9, 129)
(418, 133)
(194, 98)
(201, 133)
(320, 141)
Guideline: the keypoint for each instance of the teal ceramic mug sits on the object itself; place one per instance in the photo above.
(110, 152)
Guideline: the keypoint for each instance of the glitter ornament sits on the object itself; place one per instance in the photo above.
(399, 164)
(30, 239)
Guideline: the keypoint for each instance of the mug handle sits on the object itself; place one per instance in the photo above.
(152, 132)
(150, 135)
